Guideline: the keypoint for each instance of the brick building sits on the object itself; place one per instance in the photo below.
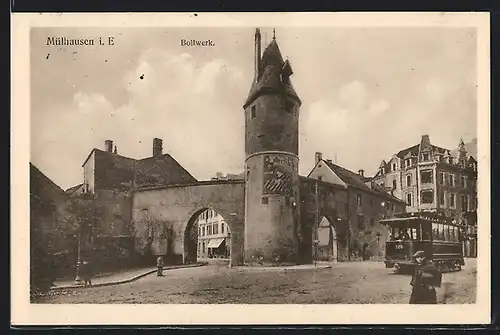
(354, 204)
(434, 179)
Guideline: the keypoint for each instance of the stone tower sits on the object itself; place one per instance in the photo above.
(272, 217)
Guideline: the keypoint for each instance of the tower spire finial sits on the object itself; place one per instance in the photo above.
(274, 33)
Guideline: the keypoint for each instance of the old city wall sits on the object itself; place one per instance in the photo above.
(178, 207)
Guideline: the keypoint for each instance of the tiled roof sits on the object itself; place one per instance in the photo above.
(358, 181)
(270, 79)
(115, 171)
(42, 186)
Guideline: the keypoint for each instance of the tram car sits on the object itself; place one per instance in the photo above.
(438, 236)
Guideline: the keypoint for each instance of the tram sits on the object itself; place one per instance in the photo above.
(438, 236)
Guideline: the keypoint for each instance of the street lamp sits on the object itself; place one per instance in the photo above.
(78, 278)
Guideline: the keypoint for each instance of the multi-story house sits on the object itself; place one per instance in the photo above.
(214, 237)
(362, 202)
(434, 179)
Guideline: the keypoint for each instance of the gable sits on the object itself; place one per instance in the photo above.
(323, 170)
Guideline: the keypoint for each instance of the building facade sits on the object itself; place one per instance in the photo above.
(362, 204)
(434, 179)
(214, 237)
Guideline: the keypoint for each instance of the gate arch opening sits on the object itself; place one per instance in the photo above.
(207, 237)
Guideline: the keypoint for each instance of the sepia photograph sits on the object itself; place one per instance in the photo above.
(255, 163)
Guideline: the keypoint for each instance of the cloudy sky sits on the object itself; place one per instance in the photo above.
(366, 92)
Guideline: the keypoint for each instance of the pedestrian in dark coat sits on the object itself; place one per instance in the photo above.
(87, 273)
(425, 279)
(159, 265)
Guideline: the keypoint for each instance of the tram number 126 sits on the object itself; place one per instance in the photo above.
(399, 247)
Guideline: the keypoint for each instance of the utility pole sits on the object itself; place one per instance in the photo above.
(316, 223)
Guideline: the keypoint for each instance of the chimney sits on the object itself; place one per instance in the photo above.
(157, 147)
(361, 172)
(108, 145)
(329, 160)
(218, 175)
(317, 157)
(257, 54)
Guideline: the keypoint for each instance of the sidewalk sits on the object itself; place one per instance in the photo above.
(117, 278)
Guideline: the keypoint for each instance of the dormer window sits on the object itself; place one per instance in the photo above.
(393, 166)
(425, 157)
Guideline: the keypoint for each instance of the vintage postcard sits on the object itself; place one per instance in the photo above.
(292, 168)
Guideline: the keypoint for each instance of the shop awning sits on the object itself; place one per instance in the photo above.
(215, 243)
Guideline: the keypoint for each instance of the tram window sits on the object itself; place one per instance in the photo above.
(441, 232)
(447, 236)
(455, 234)
(426, 234)
(413, 234)
(435, 232)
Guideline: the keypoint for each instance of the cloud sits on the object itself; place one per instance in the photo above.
(170, 96)
(343, 125)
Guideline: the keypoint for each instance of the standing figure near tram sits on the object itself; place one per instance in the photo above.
(425, 280)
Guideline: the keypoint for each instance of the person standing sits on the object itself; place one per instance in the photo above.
(87, 273)
(425, 278)
(159, 265)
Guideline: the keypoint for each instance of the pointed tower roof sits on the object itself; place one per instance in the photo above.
(425, 143)
(272, 67)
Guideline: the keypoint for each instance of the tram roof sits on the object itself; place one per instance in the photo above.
(419, 217)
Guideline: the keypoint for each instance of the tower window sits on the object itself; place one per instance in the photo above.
(253, 112)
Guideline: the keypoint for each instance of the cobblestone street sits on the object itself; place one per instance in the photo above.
(345, 283)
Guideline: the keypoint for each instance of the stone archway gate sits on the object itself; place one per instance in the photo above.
(175, 206)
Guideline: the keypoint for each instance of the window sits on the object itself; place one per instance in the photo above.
(452, 200)
(393, 207)
(451, 179)
(426, 176)
(204, 249)
(441, 232)
(427, 197)
(361, 222)
(203, 231)
(216, 229)
(463, 180)
(394, 185)
(441, 178)
(408, 199)
(425, 157)
(393, 166)
(209, 228)
(408, 162)
(441, 198)
(408, 180)
(359, 200)
(199, 231)
(465, 203)
(253, 112)
(222, 228)
(265, 200)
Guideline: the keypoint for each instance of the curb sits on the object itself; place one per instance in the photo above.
(124, 281)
